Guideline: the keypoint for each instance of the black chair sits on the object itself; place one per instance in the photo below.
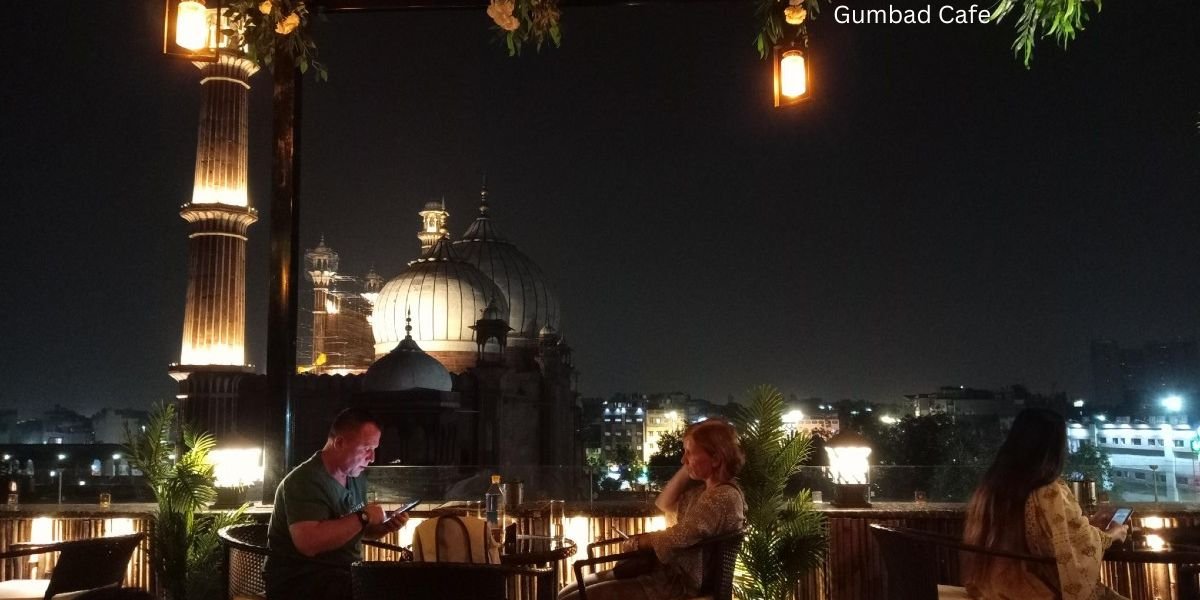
(911, 559)
(81, 565)
(246, 554)
(372, 580)
(719, 557)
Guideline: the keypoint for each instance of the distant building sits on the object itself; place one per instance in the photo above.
(968, 402)
(623, 424)
(109, 425)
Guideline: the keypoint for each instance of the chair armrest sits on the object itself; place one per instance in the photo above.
(592, 562)
(29, 551)
(601, 544)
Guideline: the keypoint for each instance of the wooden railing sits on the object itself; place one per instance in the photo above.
(853, 569)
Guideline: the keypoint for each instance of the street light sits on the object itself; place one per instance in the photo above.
(1173, 403)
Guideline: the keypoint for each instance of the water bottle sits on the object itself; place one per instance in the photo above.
(493, 507)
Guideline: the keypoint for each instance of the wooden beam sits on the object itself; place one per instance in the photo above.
(400, 5)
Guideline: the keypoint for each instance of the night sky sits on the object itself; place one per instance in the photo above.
(936, 215)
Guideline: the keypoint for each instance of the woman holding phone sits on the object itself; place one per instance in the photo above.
(702, 500)
(1023, 506)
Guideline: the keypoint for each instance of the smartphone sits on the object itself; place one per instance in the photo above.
(1120, 517)
(620, 533)
(404, 509)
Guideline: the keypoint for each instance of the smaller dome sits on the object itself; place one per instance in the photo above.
(407, 367)
(547, 331)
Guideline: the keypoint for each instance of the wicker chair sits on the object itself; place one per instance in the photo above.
(720, 555)
(246, 554)
(438, 580)
(82, 565)
(911, 558)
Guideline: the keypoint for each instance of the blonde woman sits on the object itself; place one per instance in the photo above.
(702, 500)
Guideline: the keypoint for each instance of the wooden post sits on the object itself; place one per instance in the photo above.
(278, 421)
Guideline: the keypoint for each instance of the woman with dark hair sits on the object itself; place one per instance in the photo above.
(1023, 506)
(702, 500)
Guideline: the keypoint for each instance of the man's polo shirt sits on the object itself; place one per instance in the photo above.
(310, 493)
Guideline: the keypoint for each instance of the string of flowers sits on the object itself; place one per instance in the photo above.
(783, 21)
(256, 26)
(523, 21)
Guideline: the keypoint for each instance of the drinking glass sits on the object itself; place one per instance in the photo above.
(919, 496)
(557, 518)
(105, 499)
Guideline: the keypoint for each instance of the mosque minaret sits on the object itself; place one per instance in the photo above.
(218, 217)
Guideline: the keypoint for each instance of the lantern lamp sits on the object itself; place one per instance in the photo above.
(849, 469)
(190, 29)
(791, 76)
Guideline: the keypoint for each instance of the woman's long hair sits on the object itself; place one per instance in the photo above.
(1032, 456)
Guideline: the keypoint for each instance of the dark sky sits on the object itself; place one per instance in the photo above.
(936, 215)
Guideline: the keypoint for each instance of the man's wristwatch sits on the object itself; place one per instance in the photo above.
(363, 519)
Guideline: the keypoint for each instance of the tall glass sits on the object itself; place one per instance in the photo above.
(557, 518)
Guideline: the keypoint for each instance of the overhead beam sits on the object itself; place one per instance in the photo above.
(329, 6)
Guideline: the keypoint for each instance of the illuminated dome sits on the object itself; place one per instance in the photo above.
(446, 296)
(532, 304)
(407, 367)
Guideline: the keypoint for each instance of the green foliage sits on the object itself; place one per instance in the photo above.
(1091, 462)
(773, 30)
(962, 448)
(667, 459)
(186, 544)
(1038, 19)
(285, 22)
(786, 535)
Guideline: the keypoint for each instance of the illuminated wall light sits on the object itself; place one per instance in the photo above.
(1152, 522)
(237, 467)
(1155, 542)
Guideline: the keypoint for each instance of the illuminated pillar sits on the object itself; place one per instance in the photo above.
(322, 265)
(219, 215)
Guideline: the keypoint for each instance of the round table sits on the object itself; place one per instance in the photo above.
(539, 550)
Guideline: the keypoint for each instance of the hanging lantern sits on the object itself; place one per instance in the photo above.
(849, 469)
(791, 76)
(190, 29)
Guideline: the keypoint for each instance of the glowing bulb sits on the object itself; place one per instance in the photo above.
(1152, 522)
(793, 74)
(1155, 542)
(191, 25)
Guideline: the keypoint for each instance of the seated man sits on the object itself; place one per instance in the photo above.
(321, 513)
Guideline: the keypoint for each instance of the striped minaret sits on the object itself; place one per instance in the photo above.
(219, 215)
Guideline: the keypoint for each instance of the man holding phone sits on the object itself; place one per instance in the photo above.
(321, 513)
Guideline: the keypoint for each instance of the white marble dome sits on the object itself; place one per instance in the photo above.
(407, 367)
(445, 295)
(531, 303)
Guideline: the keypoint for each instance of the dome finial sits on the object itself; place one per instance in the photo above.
(408, 323)
(483, 202)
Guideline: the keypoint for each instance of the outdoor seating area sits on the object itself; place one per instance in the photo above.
(866, 547)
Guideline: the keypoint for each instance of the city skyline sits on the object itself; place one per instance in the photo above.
(935, 215)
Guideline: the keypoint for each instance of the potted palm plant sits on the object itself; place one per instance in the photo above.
(184, 543)
(786, 536)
